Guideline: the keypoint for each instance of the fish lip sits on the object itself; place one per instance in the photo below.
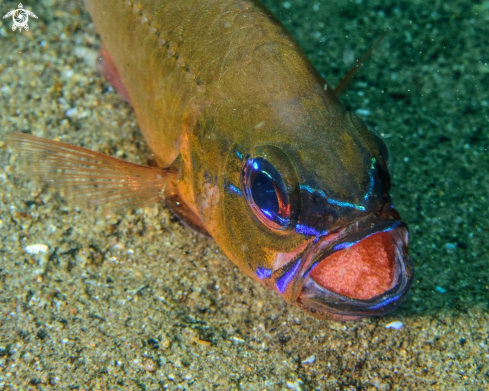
(324, 303)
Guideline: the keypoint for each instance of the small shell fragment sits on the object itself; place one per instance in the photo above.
(397, 324)
(309, 360)
(237, 340)
(36, 249)
(149, 365)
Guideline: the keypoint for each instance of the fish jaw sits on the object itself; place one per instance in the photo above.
(361, 270)
(327, 304)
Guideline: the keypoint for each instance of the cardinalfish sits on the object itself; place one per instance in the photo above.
(252, 147)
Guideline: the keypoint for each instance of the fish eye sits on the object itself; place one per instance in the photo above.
(266, 193)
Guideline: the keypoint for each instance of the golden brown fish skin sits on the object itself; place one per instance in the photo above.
(208, 79)
(225, 45)
(221, 63)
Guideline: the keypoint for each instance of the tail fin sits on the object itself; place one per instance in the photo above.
(89, 177)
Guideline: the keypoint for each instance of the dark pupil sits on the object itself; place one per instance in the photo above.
(264, 195)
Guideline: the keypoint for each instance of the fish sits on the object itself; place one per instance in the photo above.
(252, 148)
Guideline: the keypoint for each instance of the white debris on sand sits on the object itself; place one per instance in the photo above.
(397, 324)
(34, 249)
(309, 360)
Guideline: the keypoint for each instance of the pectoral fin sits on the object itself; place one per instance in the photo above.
(107, 68)
(88, 177)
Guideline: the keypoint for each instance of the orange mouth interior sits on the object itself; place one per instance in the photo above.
(361, 271)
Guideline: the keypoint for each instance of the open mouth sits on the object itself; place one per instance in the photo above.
(363, 271)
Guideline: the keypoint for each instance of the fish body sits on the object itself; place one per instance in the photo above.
(190, 70)
(256, 151)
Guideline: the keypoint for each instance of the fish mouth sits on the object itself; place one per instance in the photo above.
(363, 270)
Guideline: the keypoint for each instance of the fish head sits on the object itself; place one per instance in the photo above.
(309, 214)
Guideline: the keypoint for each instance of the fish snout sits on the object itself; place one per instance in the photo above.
(366, 271)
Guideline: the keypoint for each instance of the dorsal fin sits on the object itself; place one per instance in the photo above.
(90, 177)
(346, 80)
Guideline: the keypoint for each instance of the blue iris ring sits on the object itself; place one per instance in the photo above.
(266, 193)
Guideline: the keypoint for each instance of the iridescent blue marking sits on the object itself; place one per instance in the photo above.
(345, 204)
(273, 216)
(370, 188)
(285, 279)
(307, 188)
(311, 267)
(393, 226)
(310, 231)
(239, 155)
(342, 204)
(235, 190)
(268, 175)
(282, 221)
(255, 166)
(371, 182)
(307, 272)
(384, 303)
(311, 190)
(343, 245)
(262, 273)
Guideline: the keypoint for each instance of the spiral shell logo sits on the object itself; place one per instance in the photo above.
(20, 16)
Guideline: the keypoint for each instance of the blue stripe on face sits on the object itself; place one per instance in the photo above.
(388, 301)
(262, 273)
(287, 277)
(310, 231)
(342, 246)
(371, 182)
(311, 190)
(345, 204)
(234, 190)
(332, 201)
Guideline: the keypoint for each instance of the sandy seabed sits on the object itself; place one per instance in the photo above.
(136, 301)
